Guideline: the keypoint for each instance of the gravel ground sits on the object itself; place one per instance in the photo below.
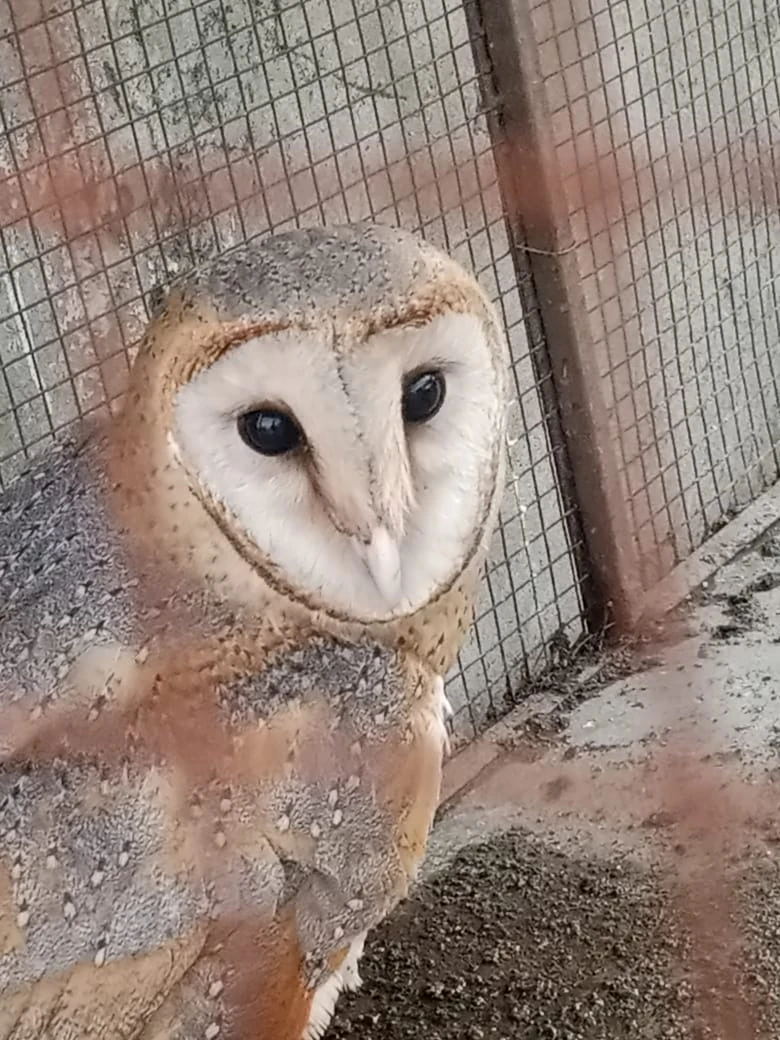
(518, 940)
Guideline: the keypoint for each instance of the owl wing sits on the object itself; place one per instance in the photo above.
(110, 923)
(79, 899)
(134, 905)
(96, 921)
(144, 898)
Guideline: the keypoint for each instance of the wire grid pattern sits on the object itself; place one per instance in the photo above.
(674, 108)
(140, 137)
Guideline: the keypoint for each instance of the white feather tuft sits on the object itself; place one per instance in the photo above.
(327, 993)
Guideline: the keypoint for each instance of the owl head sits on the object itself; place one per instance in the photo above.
(326, 405)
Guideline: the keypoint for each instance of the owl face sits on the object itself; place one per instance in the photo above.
(359, 471)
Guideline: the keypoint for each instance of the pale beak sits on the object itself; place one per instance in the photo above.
(382, 557)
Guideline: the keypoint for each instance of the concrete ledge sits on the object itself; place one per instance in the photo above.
(475, 758)
(702, 565)
(466, 765)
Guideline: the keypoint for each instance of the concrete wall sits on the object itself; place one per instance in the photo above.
(177, 128)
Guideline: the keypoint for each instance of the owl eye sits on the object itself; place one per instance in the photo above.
(423, 396)
(269, 432)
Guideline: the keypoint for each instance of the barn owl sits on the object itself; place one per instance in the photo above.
(226, 618)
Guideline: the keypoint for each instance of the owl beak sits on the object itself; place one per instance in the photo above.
(383, 560)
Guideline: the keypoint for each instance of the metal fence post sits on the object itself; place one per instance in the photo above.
(542, 241)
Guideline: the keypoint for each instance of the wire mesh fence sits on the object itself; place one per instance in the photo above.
(676, 106)
(140, 137)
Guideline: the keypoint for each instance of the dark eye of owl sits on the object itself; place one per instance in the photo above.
(269, 432)
(423, 396)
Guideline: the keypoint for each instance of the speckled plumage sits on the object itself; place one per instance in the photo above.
(211, 783)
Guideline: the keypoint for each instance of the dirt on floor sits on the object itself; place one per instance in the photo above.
(518, 940)
(599, 890)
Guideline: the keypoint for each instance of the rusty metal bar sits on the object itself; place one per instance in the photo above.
(542, 241)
